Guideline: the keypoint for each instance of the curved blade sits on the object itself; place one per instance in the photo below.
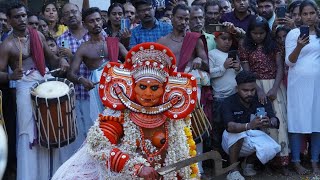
(214, 155)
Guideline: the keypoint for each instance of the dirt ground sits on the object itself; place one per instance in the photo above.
(265, 174)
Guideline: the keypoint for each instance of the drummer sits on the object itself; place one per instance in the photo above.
(25, 51)
(95, 53)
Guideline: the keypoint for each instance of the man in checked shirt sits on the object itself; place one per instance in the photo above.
(68, 44)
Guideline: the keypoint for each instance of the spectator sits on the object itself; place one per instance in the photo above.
(240, 16)
(196, 24)
(49, 11)
(225, 6)
(150, 29)
(243, 137)
(33, 21)
(68, 44)
(105, 18)
(223, 71)
(302, 57)
(52, 44)
(266, 9)
(115, 14)
(130, 12)
(5, 27)
(261, 55)
(294, 12)
(212, 13)
(43, 26)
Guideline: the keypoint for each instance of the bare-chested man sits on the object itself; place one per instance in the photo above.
(94, 53)
(174, 40)
(25, 51)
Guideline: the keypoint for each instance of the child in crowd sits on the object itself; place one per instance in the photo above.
(260, 54)
(52, 45)
(223, 70)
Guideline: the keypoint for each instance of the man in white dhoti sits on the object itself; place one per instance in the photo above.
(244, 116)
(95, 53)
(25, 51)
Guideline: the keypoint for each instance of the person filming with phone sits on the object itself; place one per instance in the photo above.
(244, 116)
(302, 56)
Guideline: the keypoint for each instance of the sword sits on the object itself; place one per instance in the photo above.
(214, 155)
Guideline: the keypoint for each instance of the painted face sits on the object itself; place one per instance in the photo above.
(148, 92)
(51, 13)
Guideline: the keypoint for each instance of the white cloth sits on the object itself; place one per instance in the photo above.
(96, 106)
(223, 81)
(33, 163)
(254, 141)
(303, 85)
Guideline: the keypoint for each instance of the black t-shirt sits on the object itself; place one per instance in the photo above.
(232, 110)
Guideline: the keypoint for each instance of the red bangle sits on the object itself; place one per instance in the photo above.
(118, 160)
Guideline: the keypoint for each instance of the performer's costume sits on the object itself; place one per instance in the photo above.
(128, 135)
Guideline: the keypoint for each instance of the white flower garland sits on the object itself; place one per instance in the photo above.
(99, 147)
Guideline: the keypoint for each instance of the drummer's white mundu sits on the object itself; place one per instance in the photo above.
(54, 110)
(3, 142)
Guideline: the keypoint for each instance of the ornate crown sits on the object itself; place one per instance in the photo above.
(150, 60)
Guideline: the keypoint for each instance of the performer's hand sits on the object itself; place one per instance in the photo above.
(87, 84)
(148, 173)
(16, 75)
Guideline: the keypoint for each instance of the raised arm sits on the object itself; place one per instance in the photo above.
(75, 67)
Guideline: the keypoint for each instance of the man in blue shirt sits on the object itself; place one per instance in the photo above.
(150, 29)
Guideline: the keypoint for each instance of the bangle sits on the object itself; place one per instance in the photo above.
(79, 78)
(137, 169)
(247, 126)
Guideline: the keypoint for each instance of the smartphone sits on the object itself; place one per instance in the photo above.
(304, 30)
(233, 54)
(125, 23)
(261, 112)
(216, 28)
(281, 11)
(65, 44)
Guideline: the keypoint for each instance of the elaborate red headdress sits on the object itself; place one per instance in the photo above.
(148, 60)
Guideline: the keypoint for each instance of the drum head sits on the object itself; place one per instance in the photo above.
(51, 89)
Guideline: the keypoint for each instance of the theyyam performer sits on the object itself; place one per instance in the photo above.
(146, 122)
